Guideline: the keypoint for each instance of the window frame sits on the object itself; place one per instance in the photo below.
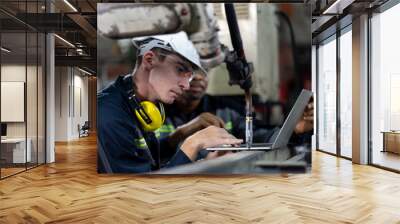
(345, 25)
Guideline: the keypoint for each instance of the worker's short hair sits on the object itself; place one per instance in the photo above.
(160, 53)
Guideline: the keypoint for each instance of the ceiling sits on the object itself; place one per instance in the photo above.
(76, 25)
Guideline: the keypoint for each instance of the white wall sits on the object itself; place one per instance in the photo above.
(61, 89)
(12, 73)
(71, 94)
(80, 102)
(33, 125)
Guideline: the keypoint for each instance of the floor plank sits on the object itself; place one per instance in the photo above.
(70, 191)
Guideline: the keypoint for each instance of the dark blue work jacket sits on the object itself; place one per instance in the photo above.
(123, 146)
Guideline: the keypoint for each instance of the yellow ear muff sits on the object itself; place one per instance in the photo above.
(157, 117)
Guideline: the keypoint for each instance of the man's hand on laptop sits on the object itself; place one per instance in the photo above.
(198, 123)
(307, 121)
(209, 137)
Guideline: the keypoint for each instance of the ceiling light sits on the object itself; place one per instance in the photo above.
(337, 7)
(65, 41)
(70, 5)
(5, 49)
(84, 71)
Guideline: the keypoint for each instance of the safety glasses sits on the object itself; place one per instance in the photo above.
(181, 68)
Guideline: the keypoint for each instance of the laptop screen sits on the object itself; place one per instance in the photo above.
(291, 121)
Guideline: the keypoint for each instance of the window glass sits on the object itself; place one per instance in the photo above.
(327, 96)
(385, 85)
(346, 94)
(15, 149)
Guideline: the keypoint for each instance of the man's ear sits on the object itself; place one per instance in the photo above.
(148, 59)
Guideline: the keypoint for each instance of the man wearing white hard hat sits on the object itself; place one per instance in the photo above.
(130, 109)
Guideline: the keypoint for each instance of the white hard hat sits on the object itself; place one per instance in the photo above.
(178, 43)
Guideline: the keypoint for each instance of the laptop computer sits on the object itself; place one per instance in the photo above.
(284, 134)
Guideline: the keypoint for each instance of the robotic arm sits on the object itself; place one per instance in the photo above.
(239, 69)
(127, 20)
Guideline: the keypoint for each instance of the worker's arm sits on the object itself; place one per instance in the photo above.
(200, 122)
(209, 137)
(179, 158)
(306, 122)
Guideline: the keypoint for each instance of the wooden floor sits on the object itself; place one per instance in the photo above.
(70, 191)
(10, 171)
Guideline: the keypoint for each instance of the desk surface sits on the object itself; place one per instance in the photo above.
(390, 132)
(288, 160)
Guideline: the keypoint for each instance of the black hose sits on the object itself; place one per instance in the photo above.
(234, 31)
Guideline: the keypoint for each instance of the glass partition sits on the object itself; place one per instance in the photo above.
(14, 152)
(31, 98)
(385, 89)
(346, 93)
(22, 64)
(327, 96)
(41, 96)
